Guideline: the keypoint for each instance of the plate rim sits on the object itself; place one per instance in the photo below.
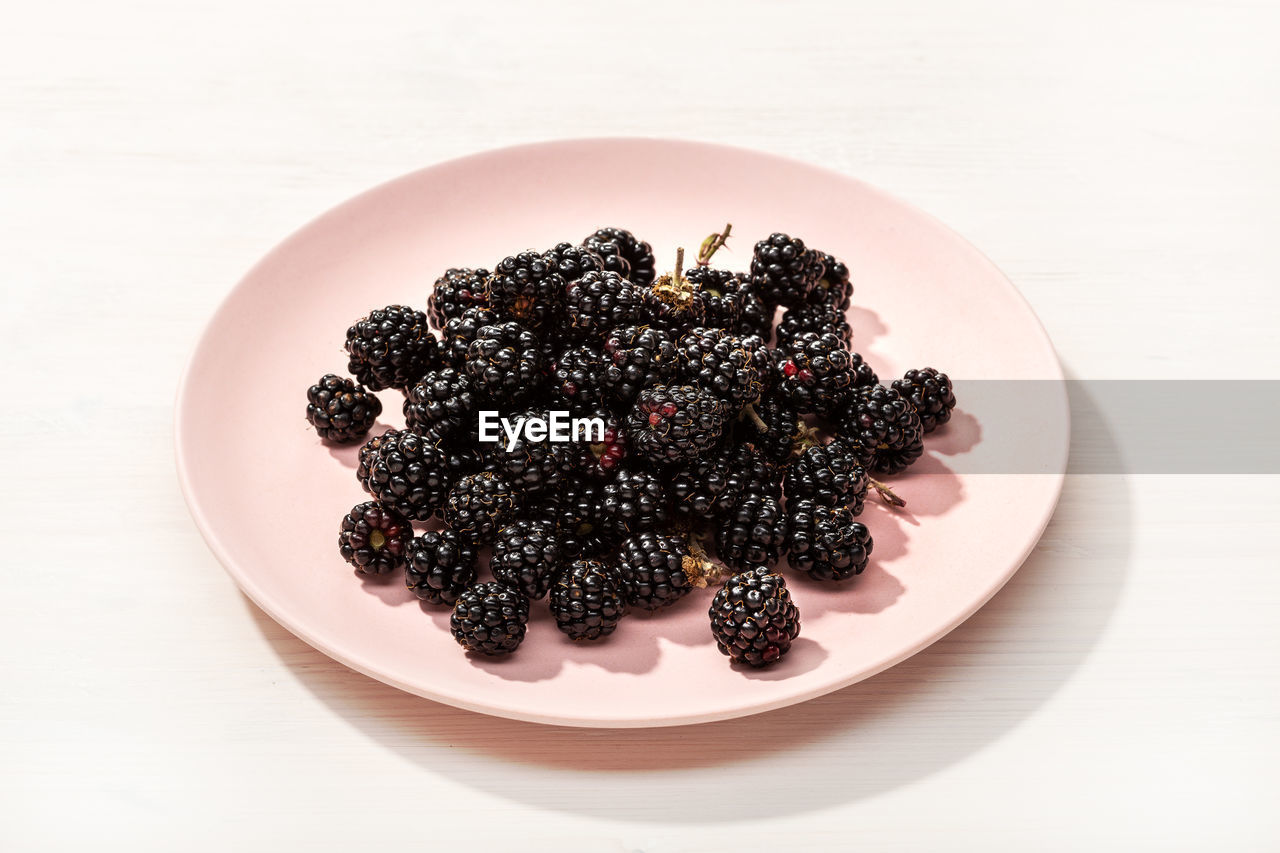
(249, 588)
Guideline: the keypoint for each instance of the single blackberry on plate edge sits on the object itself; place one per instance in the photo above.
(659, 569)
(783, 271)
(455, 292)
(439, 566)
(883, 421)
(587, 600)
(490, 618)
(441, 402)
(525, 288)
(930, 393)
(722, 296)
(672, 423)
(830, 474)
(391, 348)
(637, 357)
(526, 556)
(374, 538)
(637, 253)
(814, 373)
(598, 302)
(634, 500)
(406, 472)
(460, 331)
(340, 410)
(753, 617)
(817, 318)
(577, 377)
(724, 364)
(833, 288)
(478, 505)
(773, 425)
(573, 262)
(753, 532)
(505, 362)
(825, 542)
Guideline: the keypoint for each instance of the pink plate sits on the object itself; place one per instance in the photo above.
(267, 495)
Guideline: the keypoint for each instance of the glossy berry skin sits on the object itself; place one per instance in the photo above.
(830, 474)
(753, 617)
(637, 357)
(784, 271)
(504, 362)
(722, 296)
(439, 566)
(576, 378)
(478, 505)
(883, 421)
(373, 538)
(783, 428)
(653, 569)
(391, 348)
(587, 600)
(757, 314)
(600, 455)
(633, 501)
(598, 302)
(460, 331)
(637, 253)
(820, 319)
(529, 466)
(673, 306)
(573, 262)
(576, 509)
(723, 364)
(930, 393)
(673, 423)
(834, 288)
(526, 556)
(406, 472)
(490, 618)
(442, 402)
(340, 410)
(825, 542)
(814, 373)
(454, 292)
(525, 288)
(711, 485)
(753, 532)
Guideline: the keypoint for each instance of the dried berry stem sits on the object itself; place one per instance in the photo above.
(886, 494)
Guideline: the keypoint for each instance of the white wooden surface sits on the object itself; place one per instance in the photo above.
(1118, 160)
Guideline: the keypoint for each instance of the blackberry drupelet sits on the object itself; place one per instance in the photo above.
(576, 509)
(753, 617)
(657, 569)
(525, 288)
(757, 314)
(478, 505)
(637, 357)
(833, 289)
(587, 600)
(527, 556)
(723, 364)
(830, 474)
(633, 501)
(863, 375)
(406, 472)
(391, 348)
(454, 292)
(774, 426)
(753, 531)
(598, 302)
(577, 377)
(637, 253)
(504, 362)
(883, 421)
(340, 410)
(490, 618)
(674, 423)
(373, 538)
(825, 542)
(814, 373)
(529, 466)
(573, 262)
(460, 331)
(783, 271)
(817, 318)
(722, 296)
(443, 402)
(708, 485)
(930, 393)
(439, 566)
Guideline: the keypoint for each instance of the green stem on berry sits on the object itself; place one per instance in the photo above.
(712, 243)
(886, 494)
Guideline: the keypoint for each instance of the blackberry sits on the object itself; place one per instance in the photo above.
(391, 348)
(710, 486)
(455, 292)
(340, 410)
(637, 253)
(672, 423)
(610, 256)
(930, 393)
(373, 538)
(577, 377)
(830, 474)
(753, 618)
(478, 505)
(783, 271)
(753, 532)
(825, 542)
(576, 509)
(833, 289)
(525, 288)
(600, 301)
(883, 421)
(722, 296)
(442, 402)
(818, 318)
(672, 303)
(774, 426)
(757, 315)
(529, 466)
(863, 375)
(587, 601)
(505, 362)
(657, 569)
(439, 566)
(526, 556)
(490, 618)
(814, 373)
(637, 357)
(635, 500)
(460, 331)
(573, 262)
(723, 364)
(600, 454)
(406, 472)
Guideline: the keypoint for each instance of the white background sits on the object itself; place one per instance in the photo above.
(1118, 160)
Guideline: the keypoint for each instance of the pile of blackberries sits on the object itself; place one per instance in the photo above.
(704, 415)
